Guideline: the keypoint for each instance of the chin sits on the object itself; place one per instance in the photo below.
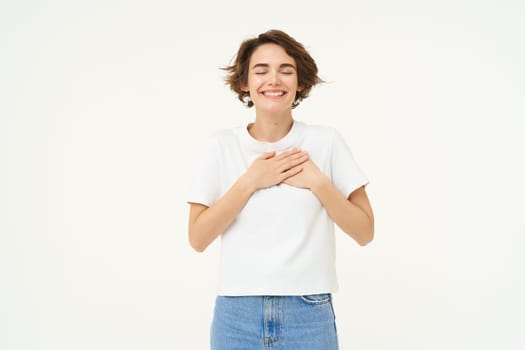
(276, 108)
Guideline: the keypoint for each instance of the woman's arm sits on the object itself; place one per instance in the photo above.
(207, 223)
(353, 215)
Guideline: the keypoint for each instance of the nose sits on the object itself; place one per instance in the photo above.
(274, 78)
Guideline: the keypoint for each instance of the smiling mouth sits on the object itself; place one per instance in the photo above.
(273, 93)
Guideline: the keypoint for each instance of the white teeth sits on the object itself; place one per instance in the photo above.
(268, 93)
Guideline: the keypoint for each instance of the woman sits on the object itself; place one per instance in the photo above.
(272, 190)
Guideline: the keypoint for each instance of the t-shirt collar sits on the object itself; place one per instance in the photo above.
(283, 144)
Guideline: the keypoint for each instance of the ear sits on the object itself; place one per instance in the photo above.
(244, 88)
(300, 88)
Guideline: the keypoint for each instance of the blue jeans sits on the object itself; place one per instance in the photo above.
(274, 322)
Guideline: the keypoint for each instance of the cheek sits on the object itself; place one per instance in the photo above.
(253, 82)
(292, 81)
(250, 85)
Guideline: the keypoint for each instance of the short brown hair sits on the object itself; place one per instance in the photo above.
(306, 68)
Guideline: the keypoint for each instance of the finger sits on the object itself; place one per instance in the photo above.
(286, 154)
(291, 172)
(297, 155)
(290, 163)
(267, 155)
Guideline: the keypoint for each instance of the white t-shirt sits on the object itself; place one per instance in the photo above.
(282, 242)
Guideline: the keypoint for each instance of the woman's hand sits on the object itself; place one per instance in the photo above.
(269, 170)
(307, 178)
(207, 223)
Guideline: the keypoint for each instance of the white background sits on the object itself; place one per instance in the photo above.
(104, 106)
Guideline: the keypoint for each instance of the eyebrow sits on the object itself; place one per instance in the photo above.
(266, 65)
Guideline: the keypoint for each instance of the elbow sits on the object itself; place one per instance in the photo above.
(197, 245)
(365, 240)
(366, 237)
(368, 234)
(362, 237)
(198, 248)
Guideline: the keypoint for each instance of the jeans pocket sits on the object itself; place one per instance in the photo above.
(317, 299)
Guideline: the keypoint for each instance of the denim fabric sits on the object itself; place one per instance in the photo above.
(274, 322)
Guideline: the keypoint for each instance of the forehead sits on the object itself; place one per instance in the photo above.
(270, 53)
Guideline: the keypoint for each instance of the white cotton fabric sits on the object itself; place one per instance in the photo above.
(282, 242)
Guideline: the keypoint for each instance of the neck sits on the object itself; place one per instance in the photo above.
(271, 127)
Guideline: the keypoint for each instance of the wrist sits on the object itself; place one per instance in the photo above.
(245, 184)
(319, 183)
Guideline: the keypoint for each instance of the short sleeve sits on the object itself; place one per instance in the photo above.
(205, 187)
(346, 174)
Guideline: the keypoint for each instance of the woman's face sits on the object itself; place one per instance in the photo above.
(272, 79)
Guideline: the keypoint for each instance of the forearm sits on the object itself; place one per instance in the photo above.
(213, 221)
(350, 217)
